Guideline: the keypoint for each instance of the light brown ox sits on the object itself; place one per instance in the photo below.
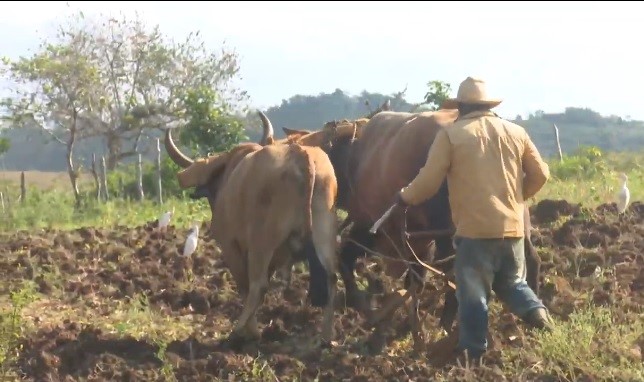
(268, 204)
(373, 159)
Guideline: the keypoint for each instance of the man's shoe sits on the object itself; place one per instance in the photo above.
(540, 319)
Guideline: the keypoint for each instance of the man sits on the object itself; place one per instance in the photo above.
(484, 158)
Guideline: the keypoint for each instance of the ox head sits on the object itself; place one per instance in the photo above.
(206, 174)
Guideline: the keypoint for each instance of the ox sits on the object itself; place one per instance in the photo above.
(373, 159)
(269, 204)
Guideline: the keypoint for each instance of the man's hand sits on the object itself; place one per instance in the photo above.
(399, 200)
(400, 209)
(397, 210)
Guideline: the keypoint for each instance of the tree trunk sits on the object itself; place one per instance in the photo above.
(97, 181)
(139, 178)
(159, 188)
(71, 171)
(106, 193)
(23, 188)
(113, 151)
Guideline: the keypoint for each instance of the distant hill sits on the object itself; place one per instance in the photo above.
(582, 126)
(32, 149)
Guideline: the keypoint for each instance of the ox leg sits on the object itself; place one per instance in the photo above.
(533, 265)
(444, 249)
(349, 254)
(323, 268)
(235, 260)
(246, 327)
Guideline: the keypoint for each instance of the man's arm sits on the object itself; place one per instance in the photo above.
(536, 170)
(431, 176)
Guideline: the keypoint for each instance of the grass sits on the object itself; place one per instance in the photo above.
(595, 341)
(591, 177)
(54, 209)
(591, 343)
(13, 326)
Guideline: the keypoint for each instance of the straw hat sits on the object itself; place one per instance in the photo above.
(471, 91)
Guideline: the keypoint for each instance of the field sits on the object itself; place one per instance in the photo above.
(41, 179)
(98, 295)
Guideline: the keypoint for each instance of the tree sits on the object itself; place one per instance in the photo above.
(62, 85)
(125, 80)
(210, 128)
(437, 94)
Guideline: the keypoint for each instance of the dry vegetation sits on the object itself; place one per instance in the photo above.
(41, 180)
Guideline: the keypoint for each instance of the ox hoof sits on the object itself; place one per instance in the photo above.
(328, 344)
(324, 343)
(237, 339)
(376, 342)
(359, 300)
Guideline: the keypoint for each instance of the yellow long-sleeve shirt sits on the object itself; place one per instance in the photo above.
(484, 158)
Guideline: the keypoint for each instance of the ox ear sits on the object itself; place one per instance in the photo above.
(290, 132)
(201, 171)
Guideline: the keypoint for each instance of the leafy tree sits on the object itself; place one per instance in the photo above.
(211, 127)
(58, 84)
(437, 93)
(115, 78)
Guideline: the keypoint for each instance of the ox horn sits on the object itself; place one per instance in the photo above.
(177, 156)
(267, 137)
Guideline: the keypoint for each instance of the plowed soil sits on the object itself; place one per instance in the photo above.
(125, 305)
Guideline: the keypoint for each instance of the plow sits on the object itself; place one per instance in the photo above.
(394, 300)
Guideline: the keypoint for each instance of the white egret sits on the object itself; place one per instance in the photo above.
(624, 195)
(191, 241)
(164, 220)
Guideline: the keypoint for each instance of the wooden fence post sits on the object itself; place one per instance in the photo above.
(106, 193)
(2, 201)
(558, 143)
(159, 189)
(120, 193)
(8, 201)
(139, 176)
(23, 188)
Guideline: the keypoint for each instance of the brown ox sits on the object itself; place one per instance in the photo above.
(269, 203)
(373, 159)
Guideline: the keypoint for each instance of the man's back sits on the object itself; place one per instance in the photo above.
(485, 177)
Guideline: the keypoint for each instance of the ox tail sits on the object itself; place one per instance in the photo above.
(318, 278)
(306, 163)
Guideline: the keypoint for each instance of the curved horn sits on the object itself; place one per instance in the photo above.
(177, 156)
(267, 137)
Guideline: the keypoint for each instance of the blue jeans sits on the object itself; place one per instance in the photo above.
(483, 265)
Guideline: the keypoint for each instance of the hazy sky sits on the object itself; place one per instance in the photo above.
(534, 55)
